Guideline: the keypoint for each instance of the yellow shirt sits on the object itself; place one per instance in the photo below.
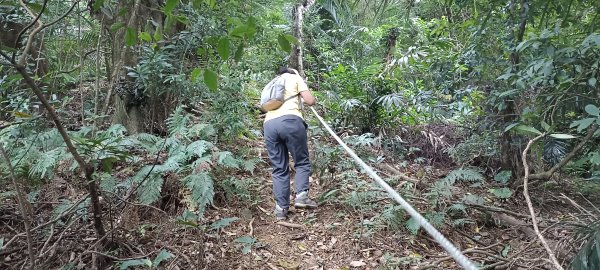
(293, 86)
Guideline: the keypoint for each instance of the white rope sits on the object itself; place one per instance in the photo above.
(449, 247)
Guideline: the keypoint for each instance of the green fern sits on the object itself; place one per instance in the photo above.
(149, 190)
(198, 149)
(45, 163)
(202, 189)
(588, 257)
(464, 174)
(226, 159)
(177, 122)
(249, 165)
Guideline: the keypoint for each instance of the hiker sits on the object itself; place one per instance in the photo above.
(285, 131)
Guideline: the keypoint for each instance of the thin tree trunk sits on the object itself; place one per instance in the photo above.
(295, 60)
(510, 159)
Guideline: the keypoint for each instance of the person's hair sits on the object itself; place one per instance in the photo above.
(283, 70)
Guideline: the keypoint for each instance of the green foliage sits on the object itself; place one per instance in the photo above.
(160, 257)
(247, 242)
(588, 257)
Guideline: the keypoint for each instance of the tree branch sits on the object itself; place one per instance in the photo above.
(567, 158)
(530, 205)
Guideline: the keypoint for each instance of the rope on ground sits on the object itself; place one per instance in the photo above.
(447, 245)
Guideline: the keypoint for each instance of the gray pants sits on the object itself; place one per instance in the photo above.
(283, 134)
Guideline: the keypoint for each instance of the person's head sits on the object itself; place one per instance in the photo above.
(283, 70)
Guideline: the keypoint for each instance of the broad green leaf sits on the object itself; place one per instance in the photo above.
(145, 36)
(562, 136)
(501, 193)
(195, 74)
(116, 26)
(1, 242)
(528, 129)
(35, 6)
(592, 82)
(239, 52)
(170, 5)
(582, 124)
(222, 223)
(163, 255)
(592, 110)
(98, 4)
(223, 48)
(245, 240)
(131, 263)
(211, 79)
(292, 39)
(284, 43)
(130, 36)
(240, 31)
(545, 126)
(511, 126)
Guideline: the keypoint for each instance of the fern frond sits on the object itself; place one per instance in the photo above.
(46, 162)
(116, 130)
(177, 122)
(249, 165)
(197, 149)
(226, 159)
(149, 191)
(464, 174)
(202, 131)
(202, 189)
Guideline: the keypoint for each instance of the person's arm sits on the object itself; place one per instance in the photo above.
(305, 93)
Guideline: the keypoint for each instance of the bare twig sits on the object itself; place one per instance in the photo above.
(66, 212)
(530, 205)
(24, 209)
(289, 225)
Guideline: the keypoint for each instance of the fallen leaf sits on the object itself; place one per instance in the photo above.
(357, 263)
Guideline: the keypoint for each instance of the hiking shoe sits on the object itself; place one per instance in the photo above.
(280, 213)
(303, 201)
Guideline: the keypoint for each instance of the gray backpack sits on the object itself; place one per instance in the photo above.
(273, 95)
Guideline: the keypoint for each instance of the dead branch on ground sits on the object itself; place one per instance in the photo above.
(530, 205)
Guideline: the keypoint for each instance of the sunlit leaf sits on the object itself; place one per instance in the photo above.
(528, 129)
(562, 136)
(130, 36)
(170, 5)
(223, 48)
(284, 43)
(195, 74)
(211, 79)
(145, 36)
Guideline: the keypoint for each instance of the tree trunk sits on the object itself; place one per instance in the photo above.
(511, 160)
(295, 60)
